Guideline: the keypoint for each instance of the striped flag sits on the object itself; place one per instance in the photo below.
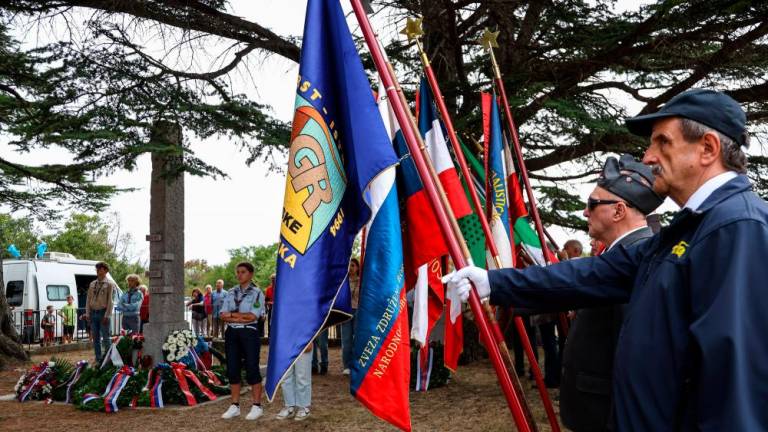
(381, 371)
(496, 181)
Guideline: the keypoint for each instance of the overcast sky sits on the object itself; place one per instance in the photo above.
(245, 208)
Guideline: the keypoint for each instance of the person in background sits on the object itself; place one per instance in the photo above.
(68, 315)
(596, 247)
(208, 302)
(297, 388)
(130, 303)
(348, 328)
(269, 294)
(48, 324)
(217, 300)
(573, 249)
(144, 311)
(197, 305)
(243, 308)
(98, 309)
(320, 353)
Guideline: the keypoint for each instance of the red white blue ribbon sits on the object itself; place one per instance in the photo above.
(115, 387)
(81, 365)
(89, 397)
(212, 378)
(23, 396)
(156, 395)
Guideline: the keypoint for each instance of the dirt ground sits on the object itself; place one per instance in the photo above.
(472, 401)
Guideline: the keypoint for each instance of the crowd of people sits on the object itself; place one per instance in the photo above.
(237, 315)
(662, 324)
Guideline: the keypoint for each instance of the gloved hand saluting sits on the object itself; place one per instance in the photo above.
(459, 282)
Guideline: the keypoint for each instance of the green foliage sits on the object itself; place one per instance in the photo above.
(19, 231)
(263, 258)
(82, 235)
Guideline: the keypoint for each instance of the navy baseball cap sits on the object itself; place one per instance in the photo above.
(709, 107)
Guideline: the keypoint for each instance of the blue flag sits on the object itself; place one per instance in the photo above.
(496, 181)
(338, 145)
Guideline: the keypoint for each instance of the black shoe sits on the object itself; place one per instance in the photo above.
(315, 370)
(323, 370)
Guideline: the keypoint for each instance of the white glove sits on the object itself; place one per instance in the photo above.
(460, 284)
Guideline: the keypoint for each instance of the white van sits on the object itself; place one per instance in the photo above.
(33, 284)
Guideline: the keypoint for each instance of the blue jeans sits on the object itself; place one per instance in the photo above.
(320, 344)
(297, 386)
(99, 330)
(347, 341)
(131, 323)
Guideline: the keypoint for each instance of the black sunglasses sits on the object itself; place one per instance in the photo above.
(592, 203)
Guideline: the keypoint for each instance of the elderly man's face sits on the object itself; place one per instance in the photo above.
(600, 218)
(676, 160)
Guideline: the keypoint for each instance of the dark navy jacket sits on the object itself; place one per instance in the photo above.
(585, 386)
(692, 353)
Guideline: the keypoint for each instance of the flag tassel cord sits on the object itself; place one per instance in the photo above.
(490, 243)
(534, 213)
(453, 242)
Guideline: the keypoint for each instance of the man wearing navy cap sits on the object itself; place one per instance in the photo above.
(691, 353)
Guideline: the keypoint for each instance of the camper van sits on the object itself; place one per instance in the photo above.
(33, 284)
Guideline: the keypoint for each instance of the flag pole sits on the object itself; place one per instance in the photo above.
(489, 313)
(429, 185)
(489, 41)
(412, 31)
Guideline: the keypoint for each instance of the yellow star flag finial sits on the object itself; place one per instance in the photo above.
(488, 39)
(412, 29)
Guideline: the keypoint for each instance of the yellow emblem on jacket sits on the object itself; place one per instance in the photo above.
(679, 249)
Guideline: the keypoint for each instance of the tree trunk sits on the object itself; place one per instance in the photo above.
(10, 345)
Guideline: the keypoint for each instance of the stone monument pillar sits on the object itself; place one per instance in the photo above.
(166, 244)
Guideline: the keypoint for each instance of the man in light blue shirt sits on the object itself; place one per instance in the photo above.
(217, 300)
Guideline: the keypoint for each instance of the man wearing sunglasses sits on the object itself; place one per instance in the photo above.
(691, 354)
(615, 212)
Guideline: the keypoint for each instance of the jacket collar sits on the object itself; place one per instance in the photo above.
(736, 185)
(635, 236)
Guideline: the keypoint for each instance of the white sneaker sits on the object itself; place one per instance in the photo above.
(232, 412)
(286, 413)
(345, 372)
(255, 413)
(301, 413)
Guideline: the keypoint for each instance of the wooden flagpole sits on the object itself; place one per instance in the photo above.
(488, 40)
(412, 31)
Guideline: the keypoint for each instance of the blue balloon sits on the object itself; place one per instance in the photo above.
(41, 248)
(14, 251)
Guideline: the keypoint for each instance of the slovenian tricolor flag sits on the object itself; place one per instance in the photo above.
(496, 181)
(338, 146)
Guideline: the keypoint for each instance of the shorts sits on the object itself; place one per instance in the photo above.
(69, 330)
(240, 344)
(48, 334)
